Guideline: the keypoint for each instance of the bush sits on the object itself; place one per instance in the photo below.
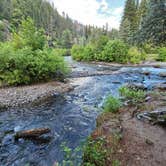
(29, 36)
(25, 66)
(112, 104)
(115, 51)
(134, 95)
(149, 48)
(162, 54)
(26, 59)
(77, 52)
(62, 52)
(135, 56)
(95, 153)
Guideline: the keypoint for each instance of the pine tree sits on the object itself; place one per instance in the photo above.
(153, 28)
(129, 21)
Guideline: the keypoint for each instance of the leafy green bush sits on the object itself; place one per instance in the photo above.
(77, 52)
(26, 59)
(134, 95)
(162, 54)
(116, 51)
(29, 36)
(95, 153)
(135, 56)
(112, 104)
(149, 48)
(25, 66)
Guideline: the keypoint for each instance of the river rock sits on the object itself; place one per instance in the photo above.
(163, 74)
(161, 86)
(138, 86)
(146, 72)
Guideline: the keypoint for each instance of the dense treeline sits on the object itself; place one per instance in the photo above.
(144, 23)
(60, 29)
(142, 31)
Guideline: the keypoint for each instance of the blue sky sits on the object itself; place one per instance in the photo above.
(94, 12)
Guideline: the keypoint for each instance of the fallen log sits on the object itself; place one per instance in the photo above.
(33, 133)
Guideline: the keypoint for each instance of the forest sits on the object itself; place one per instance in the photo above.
(74, 94)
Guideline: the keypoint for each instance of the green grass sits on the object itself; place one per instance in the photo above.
(112, 104)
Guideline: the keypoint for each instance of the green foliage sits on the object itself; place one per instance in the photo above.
(134, 95)
(116, 51)
(66, 39)
(149, 48)
(135, 56)
(25, 66)
(62, 52)
(29, 36)
(129, 25)
(25, 59)
(152, 27)
(109, 51)
(162, 54)
(77, 52)
(94, 153)
(112, 104)
(70, 156)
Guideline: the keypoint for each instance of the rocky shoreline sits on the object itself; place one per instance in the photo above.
(23, 95)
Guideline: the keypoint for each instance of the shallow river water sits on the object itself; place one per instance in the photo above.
(71, 117)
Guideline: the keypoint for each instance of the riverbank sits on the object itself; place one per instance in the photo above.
(22, 95)
(143, 64)
(127, 140)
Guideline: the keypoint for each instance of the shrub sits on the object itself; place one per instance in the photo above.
(149, 48)
(95, 153)
(115, 51)
(77, 52)
(28, 35)
(62, 52)
(135, 56)
(88, 53)
(162, 54)
(26, 59)
(112, 104)
(134, 95)
(25, 66)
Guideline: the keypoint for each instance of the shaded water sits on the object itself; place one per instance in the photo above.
(71, 117)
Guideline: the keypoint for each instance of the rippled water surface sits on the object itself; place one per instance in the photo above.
(71, 117)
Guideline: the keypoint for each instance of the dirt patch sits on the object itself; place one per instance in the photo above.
(18, 96)
(141, 144)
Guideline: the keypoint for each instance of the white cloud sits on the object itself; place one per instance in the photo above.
(90, 12)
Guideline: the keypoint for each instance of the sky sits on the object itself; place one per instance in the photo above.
(93, 12)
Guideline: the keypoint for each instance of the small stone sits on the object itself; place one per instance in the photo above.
(149, 142)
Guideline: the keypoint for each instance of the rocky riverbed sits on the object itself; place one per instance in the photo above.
(71, 116)
(22, 95)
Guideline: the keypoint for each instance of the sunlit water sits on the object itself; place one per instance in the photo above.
(71, 117)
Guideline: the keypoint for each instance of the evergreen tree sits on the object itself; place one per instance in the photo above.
(153, 28)
(129, 21)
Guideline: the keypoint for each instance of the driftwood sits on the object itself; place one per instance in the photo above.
(33, 133)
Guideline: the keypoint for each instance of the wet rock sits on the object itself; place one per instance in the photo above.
(138, 86)
(146, 72)
(163, 74)
(116, 82)
(161, 86)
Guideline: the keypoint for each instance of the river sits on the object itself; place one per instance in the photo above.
(71, 117)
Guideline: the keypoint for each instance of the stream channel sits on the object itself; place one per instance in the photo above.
(71, 117)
